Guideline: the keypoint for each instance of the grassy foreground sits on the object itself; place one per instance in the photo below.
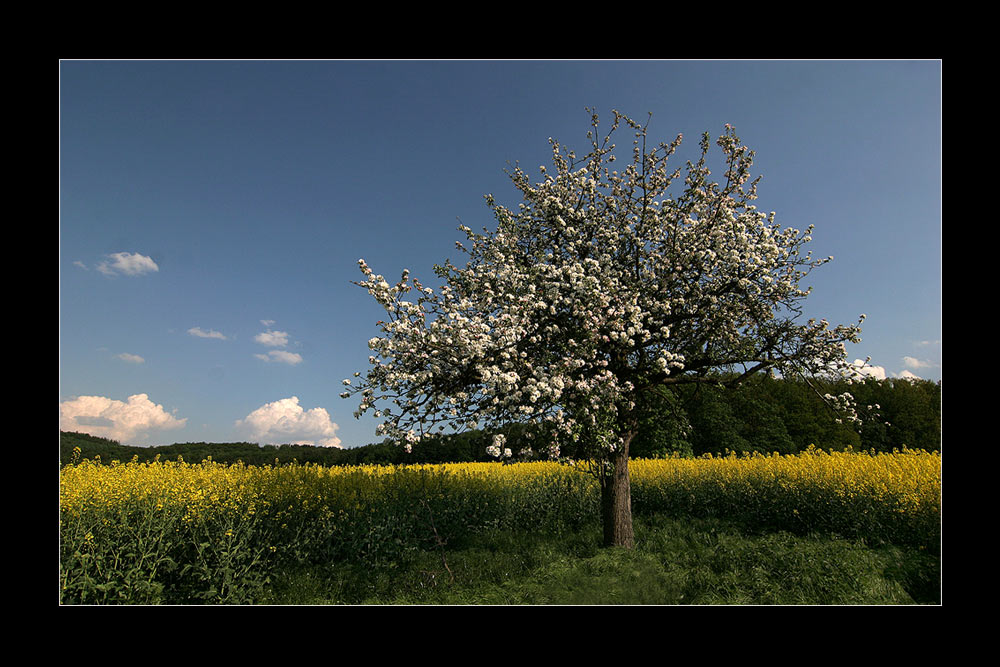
(696, 562)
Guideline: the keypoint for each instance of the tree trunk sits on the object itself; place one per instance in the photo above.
(616, 500)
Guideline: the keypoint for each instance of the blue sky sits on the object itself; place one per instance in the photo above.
(212, 212)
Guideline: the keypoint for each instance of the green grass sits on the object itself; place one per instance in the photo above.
(674, 563)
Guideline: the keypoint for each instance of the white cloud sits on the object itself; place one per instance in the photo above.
(117, 420)
(272, 338)
(281, 356)
(914, 363)
(211, 333)
(286, 422)
(267, 323)
(877, 372)
(131, 358)
(130, 264)
(81, 265)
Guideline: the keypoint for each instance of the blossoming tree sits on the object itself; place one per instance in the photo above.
(601, 287)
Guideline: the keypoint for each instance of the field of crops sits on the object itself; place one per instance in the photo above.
(176, 532)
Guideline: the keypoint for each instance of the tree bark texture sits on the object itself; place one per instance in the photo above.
(616, 500)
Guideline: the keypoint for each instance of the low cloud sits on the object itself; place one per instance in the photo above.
(129, 264)
(201, 333)
(916, 364)
(128, 422)
(131, 358)
(286, 422)
(877, 372)
(281, 357)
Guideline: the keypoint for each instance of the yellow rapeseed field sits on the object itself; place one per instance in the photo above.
(129, 527)
(878, 496)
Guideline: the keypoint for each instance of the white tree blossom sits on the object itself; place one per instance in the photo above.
(599, 286)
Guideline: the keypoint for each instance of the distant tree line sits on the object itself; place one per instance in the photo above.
(766, 414)
(763, 414)
(461, 447)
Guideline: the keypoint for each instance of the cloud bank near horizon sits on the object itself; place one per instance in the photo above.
(286, 422)
(128, 421)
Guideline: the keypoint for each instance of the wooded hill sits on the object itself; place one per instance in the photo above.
(763, 414)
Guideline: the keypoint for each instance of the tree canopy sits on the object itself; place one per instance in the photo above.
(600, 289)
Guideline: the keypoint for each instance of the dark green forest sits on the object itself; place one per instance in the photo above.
(763, 414)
